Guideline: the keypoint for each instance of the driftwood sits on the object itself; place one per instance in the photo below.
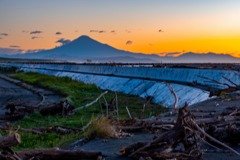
(14, 117)
(15, 109)
(40, 130)
(147, 127)
(111, 105)
(186, 133)
(166, 142)
(149, 99)
(213, 139)
(62, 108)
(10, 140)
(116, 104)
(174, 94)
(136, 125)
(129, 114)
(16, 112)
(53, 154)
(56, 129)
(91, 103)
(58, 154)
(227, 88)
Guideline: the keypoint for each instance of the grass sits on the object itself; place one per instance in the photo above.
(78, 94)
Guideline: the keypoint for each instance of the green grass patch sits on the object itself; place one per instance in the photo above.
(78, 94)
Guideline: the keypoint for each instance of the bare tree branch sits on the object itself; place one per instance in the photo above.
(215, 81)
(175, 96)
(230, 81)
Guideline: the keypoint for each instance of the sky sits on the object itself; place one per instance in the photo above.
(147, 26)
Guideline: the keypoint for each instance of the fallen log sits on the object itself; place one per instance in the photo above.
(40, 130)
(10, 140)
(140, 128)
(125, 151)
(58, 154)
(15, 109)
(57, 129)
(8, 154)
(63, 108)
(14, 117)
(167, 142)
(213, 139)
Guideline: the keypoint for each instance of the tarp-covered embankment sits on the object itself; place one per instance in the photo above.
(141, 81)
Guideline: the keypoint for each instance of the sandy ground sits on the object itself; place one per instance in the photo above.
(11, 91)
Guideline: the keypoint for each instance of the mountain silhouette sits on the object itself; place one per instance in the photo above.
(85, 48)
(209, 57)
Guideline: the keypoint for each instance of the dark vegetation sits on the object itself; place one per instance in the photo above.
(7, 69)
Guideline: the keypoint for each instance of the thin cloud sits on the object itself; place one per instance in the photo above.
(128, 31)
(24, 31)
(160, 30)
(97, 31)
(173, 54)
(35, 37)
(0, 37)
(101, 31)
(58, 33)
(63, 41)
(34, 50)
(4, 34)
(14, 46)
(93, 31)
(112, 31)
(9, 51)
(129, 42)
(36, 32)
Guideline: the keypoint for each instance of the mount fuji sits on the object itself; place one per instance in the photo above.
(85, 49)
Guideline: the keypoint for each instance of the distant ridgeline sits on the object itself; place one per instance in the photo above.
(190, 85)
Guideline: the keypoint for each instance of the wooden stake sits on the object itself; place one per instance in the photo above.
(129, 114)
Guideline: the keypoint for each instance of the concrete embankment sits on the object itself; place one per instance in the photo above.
(142, 81)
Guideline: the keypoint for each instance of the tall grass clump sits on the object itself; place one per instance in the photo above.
(100, 128)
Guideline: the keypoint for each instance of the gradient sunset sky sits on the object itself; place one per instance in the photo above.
(147, 26)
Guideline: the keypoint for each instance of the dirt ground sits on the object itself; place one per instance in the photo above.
(12, 91)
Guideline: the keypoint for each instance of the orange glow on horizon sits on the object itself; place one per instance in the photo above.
(144, 43)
